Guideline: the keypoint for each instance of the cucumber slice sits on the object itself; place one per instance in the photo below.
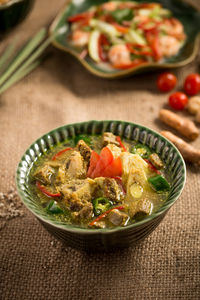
(93, 45)
(104, 27)
(134, 37)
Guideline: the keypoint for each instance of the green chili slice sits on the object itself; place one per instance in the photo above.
(101, 205)
(159, 183)
(53, 207)
(141, 150)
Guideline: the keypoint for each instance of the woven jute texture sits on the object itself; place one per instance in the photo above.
(33, 264)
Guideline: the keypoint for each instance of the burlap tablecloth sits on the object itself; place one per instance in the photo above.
(34, 265)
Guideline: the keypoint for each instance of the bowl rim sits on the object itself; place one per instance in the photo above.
(9, 3)
(83, 231)
(122, 73)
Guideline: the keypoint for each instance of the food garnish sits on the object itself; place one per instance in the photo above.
(126, 35)
(97, 182)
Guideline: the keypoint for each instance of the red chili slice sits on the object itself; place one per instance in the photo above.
(151, 166)
(143, 52)
(135, 63)
(45, 192)
(61, 152)
(105, 214)
(81, 16)
(153, 40)
(103, 41)
(118, 139)
(120, 28)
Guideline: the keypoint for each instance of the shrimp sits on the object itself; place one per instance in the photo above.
(169, 45)
(110, 6)
(119, 55)
(80, 38)
(174, 28)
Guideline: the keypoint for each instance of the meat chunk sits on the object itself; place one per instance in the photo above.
(109, 138)
(156, 161)
(140, 208)
(77, 194)
(85, 213)
(117, 217)
(109, 188)
(74, 167)
(44, 174)
(85, 151)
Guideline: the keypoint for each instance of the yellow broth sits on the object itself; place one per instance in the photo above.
(95, 143)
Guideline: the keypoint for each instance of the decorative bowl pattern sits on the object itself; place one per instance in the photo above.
(186, 13)
(102, 239)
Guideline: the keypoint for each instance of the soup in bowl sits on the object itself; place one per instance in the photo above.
(101, 184)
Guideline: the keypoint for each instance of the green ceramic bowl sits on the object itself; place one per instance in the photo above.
(102, 239)
(12, 13)
(187, 14)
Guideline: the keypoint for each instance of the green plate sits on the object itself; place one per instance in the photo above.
(102, 239)
(187, 14)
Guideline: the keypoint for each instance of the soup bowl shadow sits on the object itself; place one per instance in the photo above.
(102, 239)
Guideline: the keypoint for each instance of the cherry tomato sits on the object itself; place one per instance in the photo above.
(192, 84)
(166, 82)
(178, 100)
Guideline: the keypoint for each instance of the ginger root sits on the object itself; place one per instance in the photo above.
(194, 105)
(182, 125)
(189, 152)
(197, 118)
